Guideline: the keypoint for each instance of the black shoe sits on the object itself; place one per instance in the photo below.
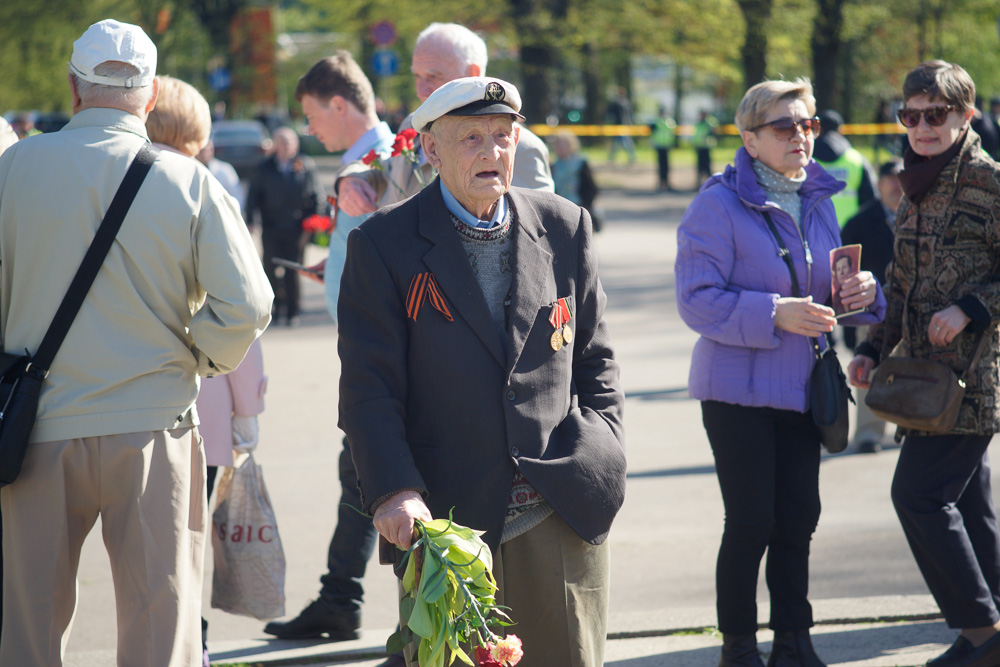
(316, 620)
(740, 651)
(957, 652)
(793, 648)
(963, 654)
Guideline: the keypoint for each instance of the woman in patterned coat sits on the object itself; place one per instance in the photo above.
(943, 290)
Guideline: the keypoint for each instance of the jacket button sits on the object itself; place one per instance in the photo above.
(511, 395)
(515, 452)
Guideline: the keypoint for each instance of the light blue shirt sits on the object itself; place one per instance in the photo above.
(370, 139)
(472, 221)
(379, 139)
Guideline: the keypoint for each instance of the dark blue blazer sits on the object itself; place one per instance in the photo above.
(449, 409)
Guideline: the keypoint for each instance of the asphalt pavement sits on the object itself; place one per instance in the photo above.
(871, 605)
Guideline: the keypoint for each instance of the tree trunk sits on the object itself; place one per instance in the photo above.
(593, 85)
(757, 14)
(826, 41)
(540, 56)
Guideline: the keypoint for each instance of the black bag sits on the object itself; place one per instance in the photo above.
(21, 376)
(828, 390)
(828, 399)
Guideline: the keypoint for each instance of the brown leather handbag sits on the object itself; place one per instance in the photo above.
(919, 394)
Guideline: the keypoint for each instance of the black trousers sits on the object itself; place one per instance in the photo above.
(351, 546)
(944, 500)
(663, 166)
(704, 161)
(767, 461)
(286, 289)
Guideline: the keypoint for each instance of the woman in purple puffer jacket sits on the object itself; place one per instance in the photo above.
(751, 366)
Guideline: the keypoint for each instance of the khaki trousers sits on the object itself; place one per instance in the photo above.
(868, 427)
(149, 490)
(557, 588)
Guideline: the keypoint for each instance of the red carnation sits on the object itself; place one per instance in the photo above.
(485, 659)
(408, 134)
(398, 146)
(371, 157)
(316, 223)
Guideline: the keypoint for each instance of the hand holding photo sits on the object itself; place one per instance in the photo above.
(845, 262)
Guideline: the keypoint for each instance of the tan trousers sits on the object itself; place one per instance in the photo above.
(557, 588)
(149, 490)
(867, 425)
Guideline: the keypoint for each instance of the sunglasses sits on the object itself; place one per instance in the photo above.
(785, 128)
(935, 116)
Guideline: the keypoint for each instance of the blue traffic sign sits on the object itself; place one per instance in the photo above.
(385, 62)
(220, 79)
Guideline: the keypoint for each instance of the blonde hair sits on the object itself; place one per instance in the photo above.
(570, 139)
(758, 101)
(181, 118)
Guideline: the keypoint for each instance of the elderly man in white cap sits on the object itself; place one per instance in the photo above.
(477, 373)
(180, 294)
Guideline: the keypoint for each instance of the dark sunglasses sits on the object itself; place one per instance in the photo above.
(784, 128)
(935, 116)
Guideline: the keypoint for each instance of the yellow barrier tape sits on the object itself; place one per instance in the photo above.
(857, 129)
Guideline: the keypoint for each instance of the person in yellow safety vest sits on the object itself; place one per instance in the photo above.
(704, 140)
(842, 161)
(663, 136)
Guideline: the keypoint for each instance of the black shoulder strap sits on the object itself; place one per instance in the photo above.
(94, 258)
(785, 255)
(796, 292)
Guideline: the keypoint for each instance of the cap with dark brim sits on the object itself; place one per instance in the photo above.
(484, 108)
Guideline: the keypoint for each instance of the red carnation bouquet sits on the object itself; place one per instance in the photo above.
(403, 145)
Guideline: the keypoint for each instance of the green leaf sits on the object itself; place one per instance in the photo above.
(406, 608)
(420, 620)
(395, 643)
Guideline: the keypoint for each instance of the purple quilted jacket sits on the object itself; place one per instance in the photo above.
(729, 277)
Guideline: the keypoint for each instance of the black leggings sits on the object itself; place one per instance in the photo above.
(767, 461)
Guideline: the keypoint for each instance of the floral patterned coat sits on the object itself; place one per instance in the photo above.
(946, 252)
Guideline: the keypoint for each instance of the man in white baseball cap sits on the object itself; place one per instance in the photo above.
(180, 294)
(109, 41)
(492, 292)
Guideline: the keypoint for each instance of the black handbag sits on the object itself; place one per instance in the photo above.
(21, 375)
(828, 391)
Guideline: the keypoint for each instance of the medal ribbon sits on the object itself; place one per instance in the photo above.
(423, 288)
(561, 313)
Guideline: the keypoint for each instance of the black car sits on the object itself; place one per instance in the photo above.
(242, 143)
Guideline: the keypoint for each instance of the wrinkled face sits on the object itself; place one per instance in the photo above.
(435, 64)
(324, 123)
(928, 140)
(785, 156)
(474, 156)
(843, 268)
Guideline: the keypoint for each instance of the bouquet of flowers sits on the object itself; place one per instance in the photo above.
(401, 145)
(450, 600)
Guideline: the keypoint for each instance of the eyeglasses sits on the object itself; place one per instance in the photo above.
(935, 116)
(785, 128)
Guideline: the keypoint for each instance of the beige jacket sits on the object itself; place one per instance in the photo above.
(181, 293)
(399, 179)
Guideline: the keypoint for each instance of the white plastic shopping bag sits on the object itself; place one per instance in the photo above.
(249, 574)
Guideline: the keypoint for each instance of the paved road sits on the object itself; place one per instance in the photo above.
(665, 541)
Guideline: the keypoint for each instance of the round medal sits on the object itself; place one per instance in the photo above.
(556, 340)
(567, 335)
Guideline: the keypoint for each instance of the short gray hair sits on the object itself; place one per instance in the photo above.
(757, 102)
(97, 95)
(467, 45)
